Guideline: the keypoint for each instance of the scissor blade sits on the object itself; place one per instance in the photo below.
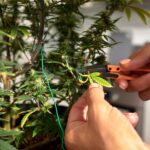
(110, 76)
(101, 70)
(95, 68)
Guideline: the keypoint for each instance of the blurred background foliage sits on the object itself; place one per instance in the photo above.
(27, 116)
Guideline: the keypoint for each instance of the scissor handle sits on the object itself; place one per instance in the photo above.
(121, 73)
(118, 69)
(114, 68)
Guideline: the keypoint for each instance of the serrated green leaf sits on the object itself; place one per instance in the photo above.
(46, 2)
(95, 74)
(106, 37)
(101, 81)
(5, 34)
(6, 146)
(4, 104)
(135, 1)
(145, 12)
(128, 13)
(14, 32)
(15, 109)
(50, 76)
(55, 62)
(7, 63)
(5, 43)
(2, 113)
(10, 73)
(6, 93)
(4, 133)
(36, 131)
(141, 13)
(24, 30)
(25, 118)
(3, 120)
(24, 97)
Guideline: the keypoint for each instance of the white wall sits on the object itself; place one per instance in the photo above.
(146, 122)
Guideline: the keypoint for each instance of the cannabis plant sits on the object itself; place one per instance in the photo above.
(42, 56)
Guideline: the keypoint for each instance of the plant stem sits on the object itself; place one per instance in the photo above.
(39, 42)
(6, 39)
(8, 54)
(7, 116)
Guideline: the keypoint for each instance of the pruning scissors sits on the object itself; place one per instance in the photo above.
(113, 71)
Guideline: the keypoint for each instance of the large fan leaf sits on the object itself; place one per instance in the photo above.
(6, 146)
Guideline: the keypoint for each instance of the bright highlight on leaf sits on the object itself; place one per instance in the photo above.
(25, 118)
(46, 2)
(6, 34)
(96, 78)
(24, 30)
(14, 33)
(5, 133)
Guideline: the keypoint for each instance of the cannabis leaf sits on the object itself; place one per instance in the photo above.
(25, 118)
(96, 77)
(143, 14)
(6, 146)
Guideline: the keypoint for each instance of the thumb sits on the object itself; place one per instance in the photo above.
(97, 105)
(95, 95)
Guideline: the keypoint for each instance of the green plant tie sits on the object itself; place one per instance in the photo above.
(52, 96)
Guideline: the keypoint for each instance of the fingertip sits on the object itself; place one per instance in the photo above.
(133, 117)
(125, 63)
(95, 94)
(95, 85)
(123, 85)
(96, 88)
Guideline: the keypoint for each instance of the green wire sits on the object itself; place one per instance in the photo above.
(52, 95)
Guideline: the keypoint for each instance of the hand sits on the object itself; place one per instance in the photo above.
(140, 59)
(93, 124)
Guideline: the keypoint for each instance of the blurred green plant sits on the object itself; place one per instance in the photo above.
(26, 112)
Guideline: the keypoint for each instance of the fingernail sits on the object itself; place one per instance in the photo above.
(125, 62)
(134, 117)
(123, 85)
